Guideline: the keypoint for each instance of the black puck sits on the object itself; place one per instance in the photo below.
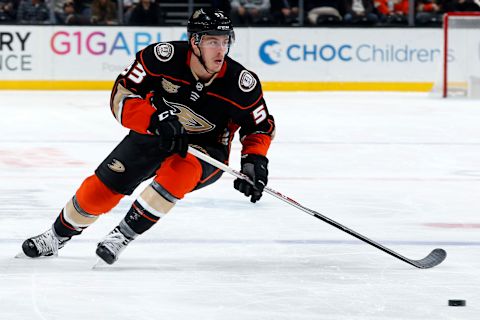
(457, 303)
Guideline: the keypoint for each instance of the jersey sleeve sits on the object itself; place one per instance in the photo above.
(130, 98)
(257, 126)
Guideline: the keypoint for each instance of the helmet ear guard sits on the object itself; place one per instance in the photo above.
(197, 38)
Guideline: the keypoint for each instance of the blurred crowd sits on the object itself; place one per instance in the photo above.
(242, 12)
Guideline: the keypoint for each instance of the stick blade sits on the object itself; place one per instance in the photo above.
(433, 259)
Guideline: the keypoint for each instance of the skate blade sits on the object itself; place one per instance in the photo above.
(21, 255)
(100, 264)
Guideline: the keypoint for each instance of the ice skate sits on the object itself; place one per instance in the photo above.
(44, 245)
(112, 245)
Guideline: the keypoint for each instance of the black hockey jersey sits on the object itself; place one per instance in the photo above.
(210, 112)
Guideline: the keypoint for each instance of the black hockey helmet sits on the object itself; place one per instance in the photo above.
(209, 21)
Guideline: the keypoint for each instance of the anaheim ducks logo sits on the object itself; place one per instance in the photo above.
(197, 14)
(192, 122)
(169, 87)
(116, 166)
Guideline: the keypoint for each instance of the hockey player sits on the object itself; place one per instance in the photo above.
(173, 95)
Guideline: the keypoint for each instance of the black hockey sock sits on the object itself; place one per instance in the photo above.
(64, 229)
(140, 219)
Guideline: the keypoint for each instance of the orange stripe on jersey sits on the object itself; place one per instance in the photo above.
(256, 144)
(270, 130)
(159, 74)
(172, 78)
(222, 71)
(210, 176)
(232, 102)
(232, 127)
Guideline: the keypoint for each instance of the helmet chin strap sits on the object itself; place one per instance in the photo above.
(200, 58)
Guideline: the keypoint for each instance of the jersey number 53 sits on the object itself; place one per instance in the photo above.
(137, 73)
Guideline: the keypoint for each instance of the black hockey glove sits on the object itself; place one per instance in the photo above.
(255, 167)
(172, 136)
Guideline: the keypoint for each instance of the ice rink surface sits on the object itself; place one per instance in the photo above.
(401, 169)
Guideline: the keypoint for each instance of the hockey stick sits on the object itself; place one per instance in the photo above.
(434, 258)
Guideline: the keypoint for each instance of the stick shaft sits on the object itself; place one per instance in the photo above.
(297, 205)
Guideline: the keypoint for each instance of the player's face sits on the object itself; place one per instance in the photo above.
(214, 49)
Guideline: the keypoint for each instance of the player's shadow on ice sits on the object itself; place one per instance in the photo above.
(225, 204)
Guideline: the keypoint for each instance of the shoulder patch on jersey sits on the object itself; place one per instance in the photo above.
(164, 51)
(246, 81)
